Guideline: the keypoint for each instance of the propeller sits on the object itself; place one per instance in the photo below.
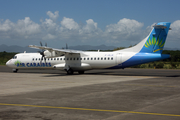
(66, 46)
(42, 53)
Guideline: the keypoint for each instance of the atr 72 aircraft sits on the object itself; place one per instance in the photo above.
(148, 50)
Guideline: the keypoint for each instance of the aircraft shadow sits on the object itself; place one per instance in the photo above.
(104, 72)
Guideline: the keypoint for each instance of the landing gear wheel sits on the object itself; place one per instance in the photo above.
(70, 72)
(15, 70)
(81, 72)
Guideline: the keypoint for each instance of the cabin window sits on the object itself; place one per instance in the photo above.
(64, 58)
(80, 58)
(57, 58)
(112, 58)
(67, 58)
(87, 58)
(97, 58)
(54, 58)
(74, 58)
(84, 58)
(36, 59)
(94, 58)
(77, 58)
(108, 58)
(33, 59)
(101, 58)
(104, 58)
(91, 58)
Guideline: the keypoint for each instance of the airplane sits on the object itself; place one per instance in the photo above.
(148, 50)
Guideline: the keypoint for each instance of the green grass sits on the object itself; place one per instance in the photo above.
(159, 65)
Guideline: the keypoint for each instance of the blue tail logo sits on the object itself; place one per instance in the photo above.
(158, 43)
(156, 40)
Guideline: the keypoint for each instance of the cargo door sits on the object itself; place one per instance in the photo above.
(119, 59)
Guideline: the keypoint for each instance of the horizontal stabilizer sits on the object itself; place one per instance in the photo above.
(161, 27)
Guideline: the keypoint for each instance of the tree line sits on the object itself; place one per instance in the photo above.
(5, 56)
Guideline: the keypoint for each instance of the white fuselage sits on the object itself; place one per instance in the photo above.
(83, 61)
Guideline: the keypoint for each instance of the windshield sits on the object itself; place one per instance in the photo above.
(15, 57)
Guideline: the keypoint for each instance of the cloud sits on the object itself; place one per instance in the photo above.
(124, 26)
(80, 33)
(49, 26)
(91, 26)
(53, 16)
(6, 26)
(90, 30)
(149, 28)
(124, 32)
(174, 33)
(49, 37)
(23, 29)
(26, 27)
(70, 24)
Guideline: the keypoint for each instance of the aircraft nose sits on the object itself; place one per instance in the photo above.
(8, 63)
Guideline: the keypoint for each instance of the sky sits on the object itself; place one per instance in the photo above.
(119, 23)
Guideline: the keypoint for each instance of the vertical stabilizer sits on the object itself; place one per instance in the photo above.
(156, 40)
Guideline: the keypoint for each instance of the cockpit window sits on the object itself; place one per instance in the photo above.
(15, 57)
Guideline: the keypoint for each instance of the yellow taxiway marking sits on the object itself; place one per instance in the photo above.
(86, 109)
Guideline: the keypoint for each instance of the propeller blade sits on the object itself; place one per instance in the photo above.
(41, 60)
(41, 43)
(66, 46)
(42, 53)
(45, 60)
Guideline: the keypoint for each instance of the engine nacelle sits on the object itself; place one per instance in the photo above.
(49, 54)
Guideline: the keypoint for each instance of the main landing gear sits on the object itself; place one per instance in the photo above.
(15, 70)
(81, 72)
(70, 72)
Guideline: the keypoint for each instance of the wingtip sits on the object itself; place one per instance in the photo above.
(30, 45)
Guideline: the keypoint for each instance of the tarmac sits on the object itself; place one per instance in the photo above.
(129, 94)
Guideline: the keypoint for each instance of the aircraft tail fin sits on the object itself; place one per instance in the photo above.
(155, 42)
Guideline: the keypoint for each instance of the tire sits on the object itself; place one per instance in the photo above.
(81, 72)
(70, 72)
(15, 70)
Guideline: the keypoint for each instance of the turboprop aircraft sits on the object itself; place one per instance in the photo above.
(148, 50)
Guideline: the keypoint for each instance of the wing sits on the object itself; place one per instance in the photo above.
(56, 52)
